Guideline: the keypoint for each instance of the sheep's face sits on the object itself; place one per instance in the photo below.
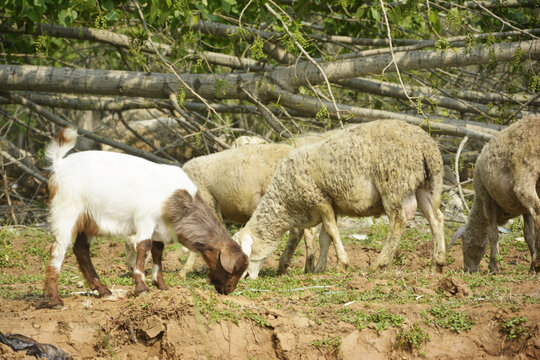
(230, 265)
(473, 250)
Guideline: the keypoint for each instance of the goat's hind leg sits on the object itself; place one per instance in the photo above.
(81, 249)
(62, 231)
(157, 273)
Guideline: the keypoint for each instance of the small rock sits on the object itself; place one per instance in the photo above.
(454, 287)
(152, 326)
(286, 341)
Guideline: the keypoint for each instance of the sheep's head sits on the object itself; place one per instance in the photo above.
(227, 266)
(473, 248)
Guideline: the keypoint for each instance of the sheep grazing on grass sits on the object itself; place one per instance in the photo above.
(104, 193)
(367, 170)
(506, 185)
(233, 181)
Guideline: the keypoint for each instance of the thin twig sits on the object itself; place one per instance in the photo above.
(309, 58)
(6, 191)
(456, 165)
(170, 67)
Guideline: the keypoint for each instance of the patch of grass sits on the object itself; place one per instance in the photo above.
(514, 328)
(444, 316)
(413, 338)
(6, 279)
(380, 320)
(332, 344)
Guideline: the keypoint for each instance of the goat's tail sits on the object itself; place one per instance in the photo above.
(58, 148)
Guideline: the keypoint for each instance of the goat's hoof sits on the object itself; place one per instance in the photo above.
(535, 269)
(56, 304)
(493, 269)
(160, 285)
(280, 271)
(139, 291)
(103, 292)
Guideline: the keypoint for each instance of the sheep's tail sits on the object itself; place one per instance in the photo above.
(58, 148)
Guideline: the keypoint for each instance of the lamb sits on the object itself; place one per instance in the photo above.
(506, 185)
(232, 182)
(385, 166)
(105, 193)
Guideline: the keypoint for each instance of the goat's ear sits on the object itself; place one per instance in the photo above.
(458, 234)
(228, 258)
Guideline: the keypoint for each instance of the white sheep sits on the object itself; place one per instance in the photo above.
(506, 185)
(104, 193)
(367, 170)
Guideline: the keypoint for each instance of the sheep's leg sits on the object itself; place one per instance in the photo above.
(429, 204)
(531, 237)
(330, 226)
(309, 235)
(294, 239)
(81, 249)
(157, 273)
(324, 246)
(397, 223)
(138, 274)
(189, 264)
(526, 191)
(490, 213)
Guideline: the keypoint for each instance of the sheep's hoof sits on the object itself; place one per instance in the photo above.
(319, 269)
(437, 268)
(342, 267)
(281, 271)
(535, 268)
(310, 265)
(493, 268)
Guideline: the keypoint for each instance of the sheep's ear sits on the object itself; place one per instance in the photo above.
(227, 258)
(458, 234)
(245, 244)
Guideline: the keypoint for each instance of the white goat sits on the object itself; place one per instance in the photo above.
(104, 193)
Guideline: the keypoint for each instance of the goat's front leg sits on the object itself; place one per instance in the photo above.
(157, 257)
(138, 272)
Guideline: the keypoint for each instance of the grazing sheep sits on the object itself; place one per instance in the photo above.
(506, 185)
(105, 193)
(367, 170)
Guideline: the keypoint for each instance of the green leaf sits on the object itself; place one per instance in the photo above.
(435, 20)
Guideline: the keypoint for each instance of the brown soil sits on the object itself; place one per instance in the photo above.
(292, 325)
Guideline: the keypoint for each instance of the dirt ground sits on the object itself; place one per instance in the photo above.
(294, 316)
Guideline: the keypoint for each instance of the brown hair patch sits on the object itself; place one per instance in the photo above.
(85, 224)
(52, 185)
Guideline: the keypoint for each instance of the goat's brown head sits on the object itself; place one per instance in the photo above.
(227, 265)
